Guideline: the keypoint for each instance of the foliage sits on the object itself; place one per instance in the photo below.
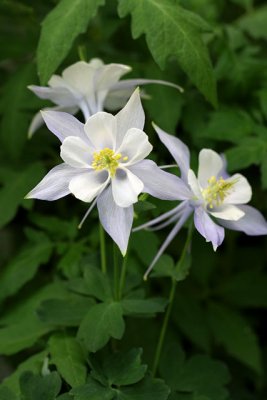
(69, 331)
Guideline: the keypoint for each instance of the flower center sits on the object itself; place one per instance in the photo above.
(216, 191)
(107, 159)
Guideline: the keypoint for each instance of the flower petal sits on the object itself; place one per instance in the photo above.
(55, 184)
(38, 120)
(101, 130)
(117, 221)
(80, 77)
(228, 212)
(194, 185)
(61, 96)
(132, 83)
(131, 116)
(135, 146)
(110, 74)
(126, 187)
(252, 223)
(63, 125)
(241, 191)
(207, 228)
(159, 183)
(86, 186)
(178, 150)
(210, 164)
(77, 153)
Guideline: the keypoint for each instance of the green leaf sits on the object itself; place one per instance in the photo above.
(148, 389)
(204, 377)
(23, 268)
(172, 31)
(264, 172)
(64, 312)
(59, 29)
(191, 320)
(97, 284)
(67, 355)
(255, 22)
(124, 368)
(33, 364)
(245, 289)
(16, 185)
(101, 322)
(199, 377)
(35, 387)
(59, 228)
(249, 152)
(146, 306)
(232, 331)
(29, 304)
(228, 124)
(7, 394)
(15, 119)
(93, 391)
(22, 335)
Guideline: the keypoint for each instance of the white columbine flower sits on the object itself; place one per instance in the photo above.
(89, 87)
(104, 164)
(211, 194)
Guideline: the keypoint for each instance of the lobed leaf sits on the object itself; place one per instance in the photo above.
(171, 30)
(59, 29)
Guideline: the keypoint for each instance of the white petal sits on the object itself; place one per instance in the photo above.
(117, 221)
(135, 146)
(178, 150)
(63, 125)
(194, 185)
(88, 185)
(131, 116)
(75, 152)
(207, 228)
(59, 95)
(116, 99)
(159, 183)
(126, 187)
(101, 130)
(210, 164)
(131, 83)
(80, 76)
(110, 74)
(252, 223)
(55, 184)
(228, 212)
(38, 120)
(241, 191)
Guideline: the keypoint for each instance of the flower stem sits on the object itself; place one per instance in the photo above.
(123, 275)
(164, 328)
(170, 304)
(102, 249)
(116, 272)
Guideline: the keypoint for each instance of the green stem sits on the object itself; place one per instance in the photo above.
(102, 249)
(116, 272)
(82, 53)
(170, 304)
(164, 328)
(123, 275)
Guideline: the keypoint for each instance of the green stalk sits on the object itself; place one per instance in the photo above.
(123, 276)
(164, 328)
(170, 304)
(116, 272)
(102, 249)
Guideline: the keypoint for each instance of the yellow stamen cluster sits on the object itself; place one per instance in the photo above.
(107, 159)
(215, 193)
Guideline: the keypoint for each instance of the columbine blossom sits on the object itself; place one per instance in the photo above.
(104, 164)
(211, 194)
(89, 87)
